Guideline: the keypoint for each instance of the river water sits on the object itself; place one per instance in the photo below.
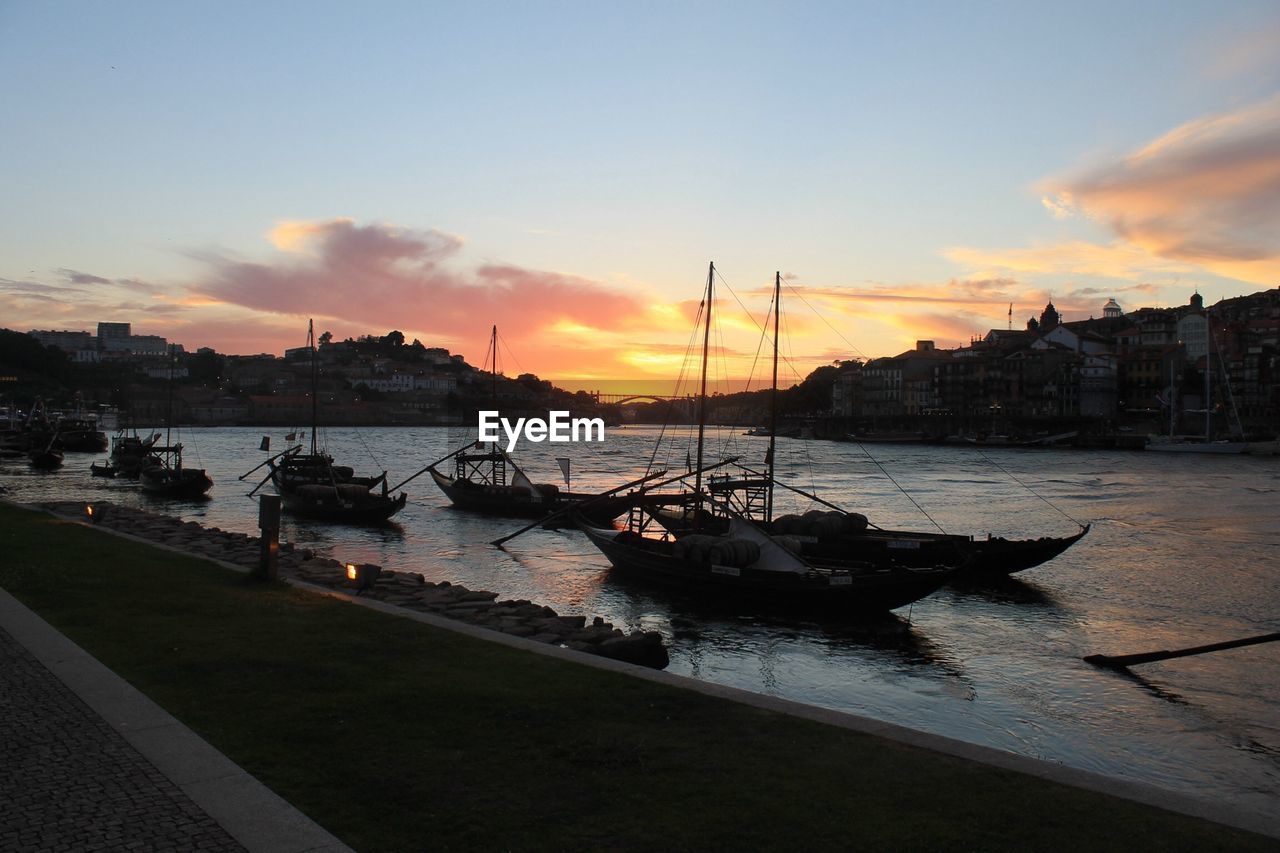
(1183, 552)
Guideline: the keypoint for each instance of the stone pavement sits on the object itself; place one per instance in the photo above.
(91, 764)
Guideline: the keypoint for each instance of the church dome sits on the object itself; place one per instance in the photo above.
(1112, 309)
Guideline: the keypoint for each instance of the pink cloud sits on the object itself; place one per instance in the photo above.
(1205, 193)
(375, 274)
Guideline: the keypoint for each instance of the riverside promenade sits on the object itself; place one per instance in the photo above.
(601, 753)
(92, 764)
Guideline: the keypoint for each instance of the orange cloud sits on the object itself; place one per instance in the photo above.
(1078, 258)
(1205, 194)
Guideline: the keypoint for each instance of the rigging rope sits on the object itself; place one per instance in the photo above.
(829, 326)
(367, 449)
(510, 352)
(1029, 489)
(684, 364)
(899, 487)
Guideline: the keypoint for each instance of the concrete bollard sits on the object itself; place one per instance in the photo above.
(269, 523)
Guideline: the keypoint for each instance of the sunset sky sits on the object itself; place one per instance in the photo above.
(219, 173)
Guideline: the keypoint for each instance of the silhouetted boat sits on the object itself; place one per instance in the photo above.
(485, 479)
(835, 536)
(170, 479)
(741, 559)
(162, 473)
(311, 485)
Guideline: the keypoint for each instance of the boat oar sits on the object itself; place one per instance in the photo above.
(1125, 661)
(444, 458)
(588, 501)
(576, 505)
(261, 484)
(267, 461)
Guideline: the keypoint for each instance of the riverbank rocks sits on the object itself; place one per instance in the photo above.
(519, 618)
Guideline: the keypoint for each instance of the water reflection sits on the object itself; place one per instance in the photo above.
(1004, 590)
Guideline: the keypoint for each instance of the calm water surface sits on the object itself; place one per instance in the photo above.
(1183, 551)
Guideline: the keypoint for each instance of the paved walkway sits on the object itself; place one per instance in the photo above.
(92, 764)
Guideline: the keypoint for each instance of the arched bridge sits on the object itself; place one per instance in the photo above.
(620, 399)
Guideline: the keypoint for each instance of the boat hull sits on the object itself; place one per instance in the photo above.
(175, 482)
(868, 591)
(371, 509)
(990, 557)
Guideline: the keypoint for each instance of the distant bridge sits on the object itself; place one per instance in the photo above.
(619, 399)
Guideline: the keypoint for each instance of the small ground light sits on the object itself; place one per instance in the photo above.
(93, 514)
(362, 575)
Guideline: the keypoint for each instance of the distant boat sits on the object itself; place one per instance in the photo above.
(167, 477)
(896, 438)
(1264, 448)
(162, 473)
(1205, 443)
(130, 453)
(1195, 445)
(45, 459)
(310, 485)
(485, 479)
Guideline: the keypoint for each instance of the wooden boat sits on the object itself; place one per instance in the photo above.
(162, 473)
(485, 479)
(47, 459)
(831, 536)
(170, 479)
(1206, 443)
(747, 564)
(295, 468)
(480, 483)
(311, 485)
(741, 559)
(77, 434)
(130, 453)
(834, 536)
(348, 503)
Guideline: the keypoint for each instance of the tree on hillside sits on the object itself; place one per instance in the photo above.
(49, 366)
(206, 368)
(394, 338)
(326, 338)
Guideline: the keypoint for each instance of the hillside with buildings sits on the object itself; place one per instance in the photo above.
(369, 380)
(1142, 371)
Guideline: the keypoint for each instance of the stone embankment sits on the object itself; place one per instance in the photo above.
(401, 589)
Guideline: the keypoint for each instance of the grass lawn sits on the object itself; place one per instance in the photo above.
(398, 736)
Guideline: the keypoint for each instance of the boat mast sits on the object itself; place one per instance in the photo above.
(773, 398)
(493, 343)
(168, 406)
(1208, 400)
(315, 410)
(702, 393)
